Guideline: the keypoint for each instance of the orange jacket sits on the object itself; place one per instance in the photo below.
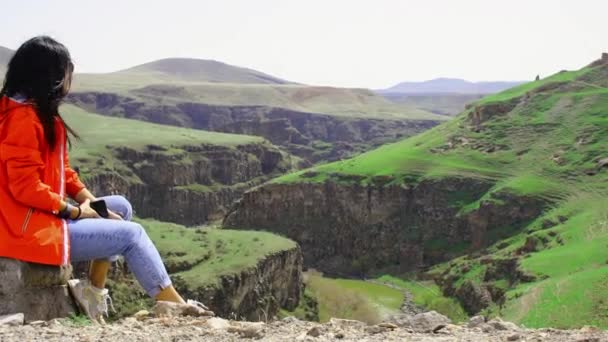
(33, 181)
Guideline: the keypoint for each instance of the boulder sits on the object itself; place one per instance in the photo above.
(424, 322)
(38, 291)
(499, 324)
(216, 323)
(476, 321)
(14, 319)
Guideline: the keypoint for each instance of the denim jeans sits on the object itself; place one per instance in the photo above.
(105, 239)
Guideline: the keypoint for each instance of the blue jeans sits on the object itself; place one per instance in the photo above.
(92, 239)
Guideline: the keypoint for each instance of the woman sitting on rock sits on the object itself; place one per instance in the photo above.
(37, 224)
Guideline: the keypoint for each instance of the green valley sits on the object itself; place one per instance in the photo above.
(504, 207)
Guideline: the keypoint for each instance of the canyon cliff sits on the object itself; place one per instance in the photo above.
(311, 136)
(254, 294)
(190, 185)
(354, 229)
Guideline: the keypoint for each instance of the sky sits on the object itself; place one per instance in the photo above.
(346, 43)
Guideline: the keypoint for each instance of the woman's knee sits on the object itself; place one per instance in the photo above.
(135, 232)
(120, 205)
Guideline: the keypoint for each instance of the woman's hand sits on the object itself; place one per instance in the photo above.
(114, 216)
(87, 211)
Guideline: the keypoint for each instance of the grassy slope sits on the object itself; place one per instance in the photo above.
(147, 86)
(550, 141)
(445, 104)
(353, 299)
(371, 301)
(428, 295)
(209, 253)
(98, 131)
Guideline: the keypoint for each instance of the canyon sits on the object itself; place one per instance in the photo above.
(313, 137)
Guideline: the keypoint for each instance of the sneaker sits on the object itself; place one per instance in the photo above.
(190, 308)
(92, 301)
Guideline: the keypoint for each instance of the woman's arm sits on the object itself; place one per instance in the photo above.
(73, 185)
(83, 195)
(20, 152)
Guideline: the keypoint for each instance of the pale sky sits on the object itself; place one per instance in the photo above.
(349, 43)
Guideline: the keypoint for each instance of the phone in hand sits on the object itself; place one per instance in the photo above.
(100, 207)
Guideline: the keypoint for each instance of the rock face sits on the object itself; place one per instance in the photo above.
(37, 291)
(198, 183)
(349, 229)
(312, 136)
(255, 294)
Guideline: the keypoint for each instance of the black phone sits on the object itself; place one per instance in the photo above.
(100, 207)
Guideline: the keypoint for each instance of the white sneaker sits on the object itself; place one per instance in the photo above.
(92, 301)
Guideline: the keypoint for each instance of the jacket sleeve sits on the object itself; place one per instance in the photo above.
(73, 185)
(20, 154)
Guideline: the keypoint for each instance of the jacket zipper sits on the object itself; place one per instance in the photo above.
(27, 220)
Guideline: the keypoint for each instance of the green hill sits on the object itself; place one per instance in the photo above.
(201, 70)
(546, 140)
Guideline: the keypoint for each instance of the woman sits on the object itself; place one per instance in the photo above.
(37, 224)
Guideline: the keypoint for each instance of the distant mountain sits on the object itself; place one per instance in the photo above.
(5, 56)
(202, 70)
(450, 85)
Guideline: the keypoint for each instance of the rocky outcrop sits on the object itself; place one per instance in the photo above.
(350, 229)
(191, 184)
(37, 291)
(312, 136)
(150, 328)
(257, 293)
(481, 113)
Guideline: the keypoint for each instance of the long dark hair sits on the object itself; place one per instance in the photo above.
(38, 71)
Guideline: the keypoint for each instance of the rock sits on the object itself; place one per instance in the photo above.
(217, 323)
(425, 322)
(14, 319)
(290, 319)
(376, 329)
(589, 329)
(388, 325)
(36, 323)
(38, 291)
(248, 329)
(514, 337)
(449, 329)
(474, 297)
(499, 324)
(314, 332)
(346, 323)
(141, 315)
(476, 321)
